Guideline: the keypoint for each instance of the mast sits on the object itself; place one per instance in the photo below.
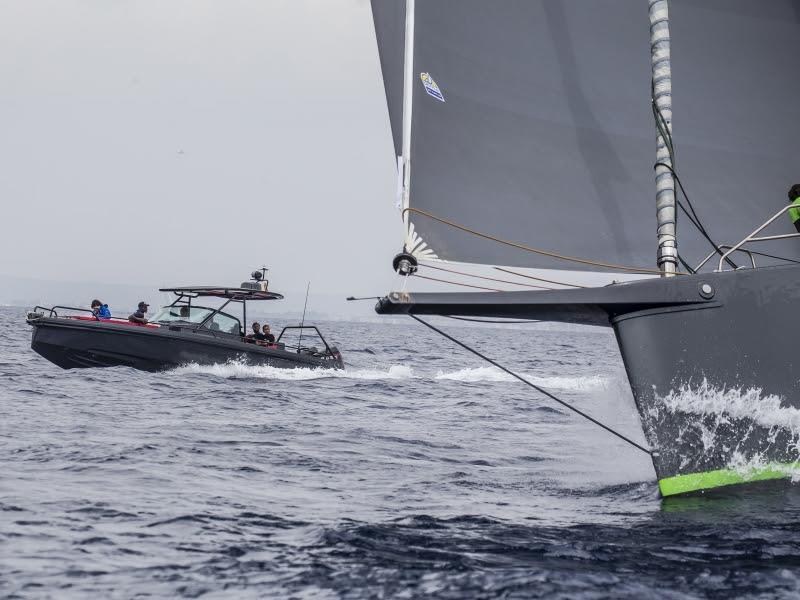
(408, 94)
(667, 258)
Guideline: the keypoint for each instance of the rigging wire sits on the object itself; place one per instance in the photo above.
(541, 287)
(666, 134)
(477, 287)
(693, 218)
(702, 229)
(533, 385)
(575, 285)
(764, 254)
(493, 321)
(686, 265)
(584, 261)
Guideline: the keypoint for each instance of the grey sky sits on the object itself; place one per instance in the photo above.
(160, 142)
(163, 142)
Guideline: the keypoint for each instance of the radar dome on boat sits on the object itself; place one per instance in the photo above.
(259, 280)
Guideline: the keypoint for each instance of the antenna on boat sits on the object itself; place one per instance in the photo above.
(303, 321)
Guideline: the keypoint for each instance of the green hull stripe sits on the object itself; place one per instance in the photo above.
(680, 484)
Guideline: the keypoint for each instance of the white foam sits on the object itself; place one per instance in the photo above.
(748, 467)
(239, 370)
(493, 374)
(734, 403)
(725, 405)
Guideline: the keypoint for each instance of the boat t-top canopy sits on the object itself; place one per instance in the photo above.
(230, 293)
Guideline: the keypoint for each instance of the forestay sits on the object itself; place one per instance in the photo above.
(532, 123)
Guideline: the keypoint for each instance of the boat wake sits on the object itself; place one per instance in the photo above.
(493, 374)
(240, 370)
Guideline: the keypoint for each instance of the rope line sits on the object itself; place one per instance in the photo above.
(583, 261)
(541, 287)
(575, 285)
(534, 386)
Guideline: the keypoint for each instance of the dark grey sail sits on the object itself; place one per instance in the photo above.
(543, 134)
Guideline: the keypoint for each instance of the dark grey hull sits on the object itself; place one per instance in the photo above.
(713, 374)
(81, 344)
(717, 384)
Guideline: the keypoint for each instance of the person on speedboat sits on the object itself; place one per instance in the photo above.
(256, 336)
(139, 315)
(100, 310)
(268, 337)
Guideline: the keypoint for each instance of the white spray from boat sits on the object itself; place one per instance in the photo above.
(716, 407)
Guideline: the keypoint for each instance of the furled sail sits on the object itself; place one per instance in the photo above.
(532, 123)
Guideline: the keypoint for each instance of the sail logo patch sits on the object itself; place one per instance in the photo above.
(431, 87)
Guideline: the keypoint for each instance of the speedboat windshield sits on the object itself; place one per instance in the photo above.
(182, 313)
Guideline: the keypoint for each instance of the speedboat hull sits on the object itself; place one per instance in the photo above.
(72, 343)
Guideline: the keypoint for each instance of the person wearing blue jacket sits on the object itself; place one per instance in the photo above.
(100, 310)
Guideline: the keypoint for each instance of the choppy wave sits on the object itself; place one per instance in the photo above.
(208, 481)
(238, 370)
(493, 374)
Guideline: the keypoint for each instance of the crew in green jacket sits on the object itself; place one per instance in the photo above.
(794, 200)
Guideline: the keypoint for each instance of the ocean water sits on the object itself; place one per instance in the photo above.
(418, 472)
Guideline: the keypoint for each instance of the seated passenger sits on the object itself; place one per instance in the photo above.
(256, 336)
(100, 310)
(268, 337)
(184, 313)
(139, 315)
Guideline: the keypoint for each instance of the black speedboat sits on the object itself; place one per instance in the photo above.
(181, 333)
